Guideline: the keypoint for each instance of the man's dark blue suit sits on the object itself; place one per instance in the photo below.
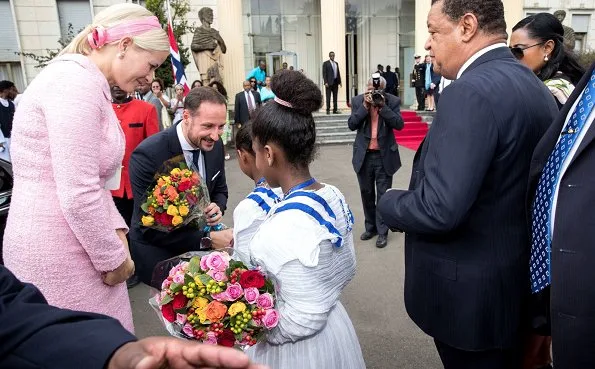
(34, 334)
(150, 246)
(466, 242)
(572, 298)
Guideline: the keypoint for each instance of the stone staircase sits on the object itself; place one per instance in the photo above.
(333, 129)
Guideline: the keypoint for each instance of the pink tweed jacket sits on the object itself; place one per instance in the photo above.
(60, 233)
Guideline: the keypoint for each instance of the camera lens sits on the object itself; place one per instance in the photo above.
(377, 98)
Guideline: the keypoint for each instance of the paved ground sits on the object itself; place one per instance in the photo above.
(374, 299)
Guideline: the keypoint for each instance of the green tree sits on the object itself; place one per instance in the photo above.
(179, 9)
(43, 60)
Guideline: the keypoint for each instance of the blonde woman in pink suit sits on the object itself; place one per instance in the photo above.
(64, 233)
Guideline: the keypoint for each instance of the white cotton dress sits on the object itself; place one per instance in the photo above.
(247, 218)
(310, 270)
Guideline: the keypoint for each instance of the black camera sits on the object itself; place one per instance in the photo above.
(377, 93)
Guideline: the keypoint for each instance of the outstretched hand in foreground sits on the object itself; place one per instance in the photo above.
(174, 353)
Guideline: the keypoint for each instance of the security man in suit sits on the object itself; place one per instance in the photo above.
(466, 237)
(374, 115)
(418, 78)
(331, 75)
(196, 137)
(245, 103)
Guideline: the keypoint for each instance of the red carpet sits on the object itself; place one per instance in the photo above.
(414, 131)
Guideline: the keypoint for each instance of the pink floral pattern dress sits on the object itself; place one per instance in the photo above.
(61, 228)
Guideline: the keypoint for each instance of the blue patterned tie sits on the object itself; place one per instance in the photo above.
(546, 189)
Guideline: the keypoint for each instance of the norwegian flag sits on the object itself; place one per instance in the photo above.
(176, 61)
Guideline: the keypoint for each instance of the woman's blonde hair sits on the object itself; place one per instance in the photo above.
(152, 40)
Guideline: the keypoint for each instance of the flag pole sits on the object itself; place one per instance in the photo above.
(176, 59)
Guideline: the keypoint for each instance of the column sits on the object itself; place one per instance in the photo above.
(229, 19)
(513, 13)
(422, 8)
(332, 27)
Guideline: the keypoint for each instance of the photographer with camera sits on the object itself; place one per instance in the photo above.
(374, 115)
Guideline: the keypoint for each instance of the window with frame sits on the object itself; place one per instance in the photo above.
(74, 13)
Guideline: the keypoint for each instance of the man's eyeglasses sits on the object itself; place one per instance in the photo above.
(519, 52)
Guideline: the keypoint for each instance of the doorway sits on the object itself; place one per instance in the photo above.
(275, 61)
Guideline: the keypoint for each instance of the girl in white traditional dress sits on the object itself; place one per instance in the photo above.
(253, 210)
(305, 244)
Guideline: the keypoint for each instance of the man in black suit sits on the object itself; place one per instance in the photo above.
(37, 335)
(392, 81)
(418, 80)
(196, 137)
(565, 210)
(332, 81)
(375, 153)
(466, 253)
(246, 102)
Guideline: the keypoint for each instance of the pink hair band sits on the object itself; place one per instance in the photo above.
(283, 102)
(101, 36)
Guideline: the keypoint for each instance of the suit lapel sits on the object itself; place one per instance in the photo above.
(590, 134)
(175, 148)
(589, 137)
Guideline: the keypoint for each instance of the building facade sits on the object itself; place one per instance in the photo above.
(301, 33)
(579, 15)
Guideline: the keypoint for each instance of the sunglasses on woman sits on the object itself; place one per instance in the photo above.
(519, 52)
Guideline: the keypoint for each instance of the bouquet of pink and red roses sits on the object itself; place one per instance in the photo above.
(216, 300)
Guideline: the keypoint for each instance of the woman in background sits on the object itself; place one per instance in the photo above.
(266, 94)
(196, 83)
(176, 104)
(538, 42)
(65, 161)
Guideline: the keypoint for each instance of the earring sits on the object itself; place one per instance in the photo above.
(545, 58)
(121, 55)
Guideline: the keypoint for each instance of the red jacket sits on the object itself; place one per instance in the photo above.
(138, 120)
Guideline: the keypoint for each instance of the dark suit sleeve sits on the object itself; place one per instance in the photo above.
(236, 108)
(359, 114)
(257, 98)
(324, 73)
(338, 75)
(436, 78)
(391, 113)
(35, 334)
(461, 147)
(142, 169)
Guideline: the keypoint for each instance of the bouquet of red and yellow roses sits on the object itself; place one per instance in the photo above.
(177, 198)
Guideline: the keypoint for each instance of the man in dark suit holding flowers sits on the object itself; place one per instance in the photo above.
(196, 137)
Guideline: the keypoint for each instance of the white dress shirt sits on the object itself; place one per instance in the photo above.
(477, 55)
(570, 156)
(187, 148)
(250, 95)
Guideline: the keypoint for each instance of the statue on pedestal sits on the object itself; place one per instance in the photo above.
(207, 47)
(569, 39)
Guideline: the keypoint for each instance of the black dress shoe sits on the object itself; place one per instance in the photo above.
(328, 112)
(336, 112)
(381, 241)
(367, 235)
(132, 281)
